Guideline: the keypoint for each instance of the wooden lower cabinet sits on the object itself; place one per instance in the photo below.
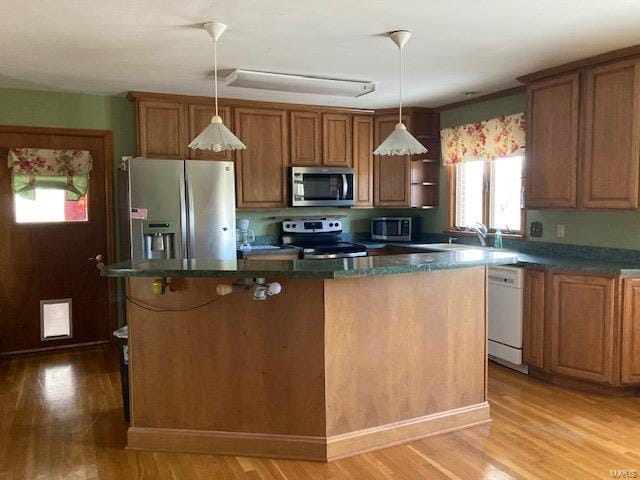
(533, 317)
(582, 327)
(631, 332)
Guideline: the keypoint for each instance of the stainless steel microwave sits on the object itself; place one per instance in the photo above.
(398, 229)
(321, 187)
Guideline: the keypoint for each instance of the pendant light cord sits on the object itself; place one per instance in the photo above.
(215, 72)
(400, 109)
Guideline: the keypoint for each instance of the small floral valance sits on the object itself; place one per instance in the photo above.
(47, 168)
(502, 136)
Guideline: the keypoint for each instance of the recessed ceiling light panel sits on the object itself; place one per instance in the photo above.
(298, 83)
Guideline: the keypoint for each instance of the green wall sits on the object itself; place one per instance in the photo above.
(597, 228)
(72, 110)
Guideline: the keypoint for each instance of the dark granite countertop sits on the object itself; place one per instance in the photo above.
(258, 250)
(579, 265)
(338, 268)
(554, 262)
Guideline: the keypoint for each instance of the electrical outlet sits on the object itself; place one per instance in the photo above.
(560, 230)
(535, 230)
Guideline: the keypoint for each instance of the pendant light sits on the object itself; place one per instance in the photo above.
(216, 136)
(400, 142)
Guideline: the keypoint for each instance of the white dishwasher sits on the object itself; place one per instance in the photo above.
(506, 288)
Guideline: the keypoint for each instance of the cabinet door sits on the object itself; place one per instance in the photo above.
(582, 325)
(199, 119)
(363, 159)
(631, 332)
(552, 142)
(162, 129)
(261, 169)
(336, 139)
(533, 317)
(306, 146)
(392, 174)
(610, 165)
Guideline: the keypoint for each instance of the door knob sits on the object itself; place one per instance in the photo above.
(98, 258)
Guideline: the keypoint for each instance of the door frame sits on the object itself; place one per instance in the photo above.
(107, 147)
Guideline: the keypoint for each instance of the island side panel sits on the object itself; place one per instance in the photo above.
(405, 357)
(235, 365)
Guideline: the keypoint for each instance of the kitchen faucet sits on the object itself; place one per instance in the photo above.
(481, 231)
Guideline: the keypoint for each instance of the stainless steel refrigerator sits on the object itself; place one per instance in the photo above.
(181, 209)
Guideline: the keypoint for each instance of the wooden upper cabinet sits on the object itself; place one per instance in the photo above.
(336, 139)
(631, 332)
(363, 159)
(582, 327)
(533, 317)
(162, 129)
(392, 174)
(199, 119)
(261, 169)
(552, 142)
(306, 143)
(611, 161)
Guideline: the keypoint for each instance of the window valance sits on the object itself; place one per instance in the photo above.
(502, 136)
(47, 168)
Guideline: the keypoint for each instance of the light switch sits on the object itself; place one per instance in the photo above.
(560, 230)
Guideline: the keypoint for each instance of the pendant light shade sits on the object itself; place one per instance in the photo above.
(400, 142)
(216, 136)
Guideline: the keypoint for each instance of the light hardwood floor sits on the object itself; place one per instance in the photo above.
(60, 417)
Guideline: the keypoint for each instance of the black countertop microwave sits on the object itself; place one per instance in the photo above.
(396, 229)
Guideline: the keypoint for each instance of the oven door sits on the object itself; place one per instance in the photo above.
(321, 187)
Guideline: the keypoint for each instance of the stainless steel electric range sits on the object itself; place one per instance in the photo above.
(320, 238)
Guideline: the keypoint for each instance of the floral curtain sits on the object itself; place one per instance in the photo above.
(502, 136)
(59, 169)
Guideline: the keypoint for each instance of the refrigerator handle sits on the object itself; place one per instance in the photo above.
(183, 217)
(192, 221)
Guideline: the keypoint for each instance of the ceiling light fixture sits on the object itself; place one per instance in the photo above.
(216, 136)
(400, 142)
(285, 82)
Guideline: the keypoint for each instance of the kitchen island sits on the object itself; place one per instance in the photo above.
(353, 355)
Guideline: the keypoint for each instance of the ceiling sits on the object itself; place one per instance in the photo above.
(114, 46)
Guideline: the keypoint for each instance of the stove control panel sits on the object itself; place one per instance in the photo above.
(312, 226)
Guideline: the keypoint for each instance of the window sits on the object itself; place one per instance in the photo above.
(50, 205)
(489, 193)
